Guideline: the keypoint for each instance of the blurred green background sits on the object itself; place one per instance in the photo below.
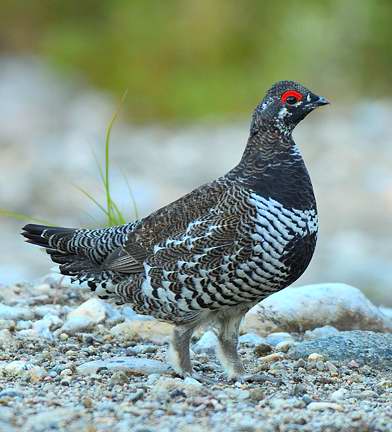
(190, 59)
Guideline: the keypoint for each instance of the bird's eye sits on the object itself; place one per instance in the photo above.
(291, 100)
(291, 97)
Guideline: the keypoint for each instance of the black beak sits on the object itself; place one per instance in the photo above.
(321, 101)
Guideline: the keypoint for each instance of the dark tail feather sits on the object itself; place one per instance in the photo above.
(46, 236)
(56, 241)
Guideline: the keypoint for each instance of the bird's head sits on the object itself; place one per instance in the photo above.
(284, 106)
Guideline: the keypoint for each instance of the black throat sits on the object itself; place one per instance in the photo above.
(272, 167)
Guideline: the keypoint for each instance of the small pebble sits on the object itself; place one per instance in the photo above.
(339, 394)
(192, 381)
(256, 395)
(135, 396)
(314, 357)
(322, 406)
(356, 416)
(332, 368)
(385, 384)
(262, 349)
(272, 357)
(284, 346)
(119, 377)
(298, 389)
(87, 402)
(353, 364)
(7, 324)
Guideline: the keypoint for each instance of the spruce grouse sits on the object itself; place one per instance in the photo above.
(208, 257)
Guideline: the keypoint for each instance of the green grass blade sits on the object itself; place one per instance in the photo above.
(91, 198)
(107, 162)
(117, 214)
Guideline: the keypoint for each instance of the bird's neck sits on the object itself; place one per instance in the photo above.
(272, 166)
(269, 146)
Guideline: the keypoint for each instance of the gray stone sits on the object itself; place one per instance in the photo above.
(165, 385)
(7, 324)
(43, 310)
(88, 314)
(339, 394)
(42, 328)
(77, 324)
(322, 406)
(365, 347)
(206, 344)
(125, 364)
(54, 419)
(251, 339)
(284, 346)
(278, 337)
(15, 313)
(192, 381)
(129, 314)
(94, 309)
(6, 337)
(14, 367)
(6, 427)
(321, 332)
(11, 393)
(23, 325)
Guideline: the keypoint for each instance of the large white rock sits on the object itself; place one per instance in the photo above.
(94, 309)
(152, 330)
(297, 309)
(89, 313)
(76, 324)
(43, 327)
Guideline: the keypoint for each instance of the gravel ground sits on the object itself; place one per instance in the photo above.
(51, 334)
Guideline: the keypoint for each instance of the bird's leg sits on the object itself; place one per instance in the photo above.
(178, 353)
(228, 328)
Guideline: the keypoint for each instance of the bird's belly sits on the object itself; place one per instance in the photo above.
(282, 243)
(271, 272)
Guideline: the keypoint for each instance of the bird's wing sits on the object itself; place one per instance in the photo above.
(201, 250)
(167, 222)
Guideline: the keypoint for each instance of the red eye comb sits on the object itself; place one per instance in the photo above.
(291, 93)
